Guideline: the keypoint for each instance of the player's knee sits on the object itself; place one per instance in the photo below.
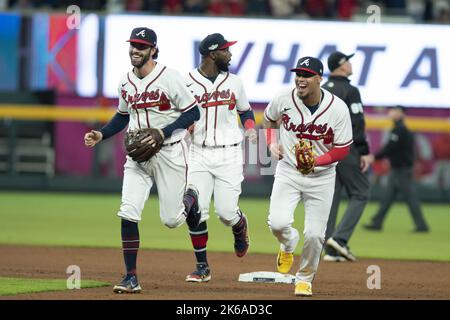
(314, 236)
(277, 225)
(171, 223)
(229, 218)
(129, 212)
(228, 214)
(225, 221)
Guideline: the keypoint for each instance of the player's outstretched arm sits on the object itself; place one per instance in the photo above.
(115, 125)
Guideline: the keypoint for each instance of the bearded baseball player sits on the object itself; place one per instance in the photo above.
(215, 157)
(152, 98)
(315, 133)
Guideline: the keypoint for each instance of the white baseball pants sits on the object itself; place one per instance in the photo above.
(168, 169)
(217, 171)
(290, 187)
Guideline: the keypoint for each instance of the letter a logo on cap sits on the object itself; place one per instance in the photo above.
(142, 34)
(305, 62)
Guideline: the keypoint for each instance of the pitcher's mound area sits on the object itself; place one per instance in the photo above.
(162, 274)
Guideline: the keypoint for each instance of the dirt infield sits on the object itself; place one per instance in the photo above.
(162, 273)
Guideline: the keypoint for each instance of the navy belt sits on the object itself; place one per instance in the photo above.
(222, 146)
(171, 144)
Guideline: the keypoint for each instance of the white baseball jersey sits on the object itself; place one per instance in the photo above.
(328, 127)
(155, 101)
(219, 103)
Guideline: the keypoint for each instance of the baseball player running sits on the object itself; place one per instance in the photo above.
(316, 118)
(215, 157)
(152, 96)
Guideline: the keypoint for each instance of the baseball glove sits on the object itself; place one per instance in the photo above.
(304, 156)
(139, 151)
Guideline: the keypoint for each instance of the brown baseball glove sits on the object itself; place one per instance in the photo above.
(305, 156)
(139, 151)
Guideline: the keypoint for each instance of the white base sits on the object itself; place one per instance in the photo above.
(267, 277)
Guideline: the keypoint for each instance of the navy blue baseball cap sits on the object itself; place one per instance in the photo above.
(309, 66)
(214, 42)
(143, 35)
(337, 59)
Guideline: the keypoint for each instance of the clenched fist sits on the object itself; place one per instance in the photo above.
(92, 138)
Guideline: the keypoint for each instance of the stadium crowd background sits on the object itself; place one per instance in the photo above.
(419, 11)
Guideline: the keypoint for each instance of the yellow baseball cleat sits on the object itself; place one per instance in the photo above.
(284, 261)
(303, 289)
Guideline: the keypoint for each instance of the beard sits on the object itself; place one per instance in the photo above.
(222, 65)
(303, 96)
(143, 61)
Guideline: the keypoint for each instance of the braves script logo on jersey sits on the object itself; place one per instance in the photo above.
(211, 99)
(309, 131)
(139, 100)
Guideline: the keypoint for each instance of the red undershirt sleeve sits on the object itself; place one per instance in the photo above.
(335, 154)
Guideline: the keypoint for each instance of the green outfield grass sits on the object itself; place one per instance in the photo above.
(12, 286)
(89, 220)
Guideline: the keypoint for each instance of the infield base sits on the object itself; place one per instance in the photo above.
(266, 277)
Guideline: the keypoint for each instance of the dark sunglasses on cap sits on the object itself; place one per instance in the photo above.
(305, 74)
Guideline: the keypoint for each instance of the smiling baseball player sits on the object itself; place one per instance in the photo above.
(316, 122)
(152, 96)
(215, 158)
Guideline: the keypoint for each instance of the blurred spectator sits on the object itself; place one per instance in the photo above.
(134, 5)
(226, 7)
(153, 5)
(194, 6)
(258, 7)
(86, 4)
(396, 7)
(21, 4)
(442, 12)
(346, 8)
(428, 11)
(415, 9)
(442, 157)
(114, 6)
(46, 4)
(436, 11)
(443, 16)
(318, 8)
(284, 8)
(172, 6)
